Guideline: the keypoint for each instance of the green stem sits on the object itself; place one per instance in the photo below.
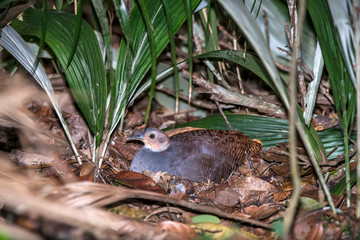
(347, 168)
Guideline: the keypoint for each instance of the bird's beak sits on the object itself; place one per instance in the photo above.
(139, 137)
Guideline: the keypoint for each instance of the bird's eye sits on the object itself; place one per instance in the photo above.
(152, 135)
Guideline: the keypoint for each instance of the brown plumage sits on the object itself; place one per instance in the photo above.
(196, 155)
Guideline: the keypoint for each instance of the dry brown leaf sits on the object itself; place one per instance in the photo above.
(86, 171)
(316, 232)
(138, 181)
(262, 212)
(282, 170)
(252, 189)
(281, 195)
(29, 159)
(182, 196)
(272, 157)
(183, 231)
(227, 197)
(133, 119)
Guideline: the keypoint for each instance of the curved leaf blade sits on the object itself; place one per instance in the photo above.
(86, 71)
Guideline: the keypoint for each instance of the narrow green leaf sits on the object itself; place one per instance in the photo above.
(342, 13)
(105, 29)
(313, 86)
(123, 17)
(188, 12)
(43, 31)
(77, 31)
(173, 54)
(339, 188)
(59, 4)
(151, 38)
(251, 63)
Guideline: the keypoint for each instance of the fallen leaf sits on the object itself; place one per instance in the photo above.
(138, 181)
(262, 212)
(205, 218)
(182, 230)
(29, 159)
(252, 190)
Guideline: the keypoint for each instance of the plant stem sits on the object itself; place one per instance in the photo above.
(357, 73)
(295, 176)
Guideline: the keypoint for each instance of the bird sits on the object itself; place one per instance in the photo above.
(197, 155)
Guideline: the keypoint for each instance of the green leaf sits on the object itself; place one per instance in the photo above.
(187, 4)
(141, 61)
(77, 31)
(123, 17)
(173, 53)
(270, 131)
(59, 4)
(86, 71)
(342, 13)
(343, 91)
(338, 188)
(277, 17)
(43, 31)
(205, 218)
(151, 38)
(251, 62)
(313, 86)
(310, 204)
(342, 87)
(105, 29)
(253, 34)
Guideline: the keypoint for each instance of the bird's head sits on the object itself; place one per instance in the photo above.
(153, 139)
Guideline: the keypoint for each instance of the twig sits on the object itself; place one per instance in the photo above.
(223, 115)
(195, 102)
(223, 95)
(287, 69)
(216, 74)
(117, 194)
(235, 42)
(301, 81)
